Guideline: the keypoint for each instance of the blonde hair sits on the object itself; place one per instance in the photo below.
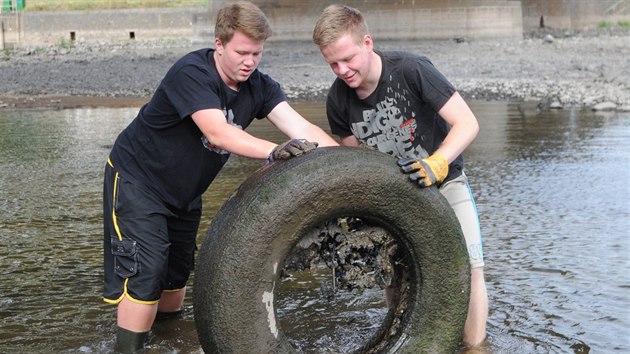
(336, 21)
(242, 16)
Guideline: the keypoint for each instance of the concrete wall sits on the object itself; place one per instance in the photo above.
(9, 30)
(442, 23)
(290, 19)
(573, 14)
(41, 28)
(295, 19)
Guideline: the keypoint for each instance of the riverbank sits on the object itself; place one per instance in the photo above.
(557, 70)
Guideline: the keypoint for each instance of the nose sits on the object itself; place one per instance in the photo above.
(342, 69)
(249, 61)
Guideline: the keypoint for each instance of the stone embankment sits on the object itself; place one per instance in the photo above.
(558, 70)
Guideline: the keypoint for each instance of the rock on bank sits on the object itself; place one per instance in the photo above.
(572, 69)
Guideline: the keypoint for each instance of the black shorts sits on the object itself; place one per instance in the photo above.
(148, 248)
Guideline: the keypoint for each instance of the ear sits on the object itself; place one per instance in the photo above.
(218, 45)
(368, 42)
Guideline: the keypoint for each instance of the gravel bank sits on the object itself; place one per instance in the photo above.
(588, 68)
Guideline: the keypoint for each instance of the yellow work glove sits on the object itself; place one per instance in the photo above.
(425, 172)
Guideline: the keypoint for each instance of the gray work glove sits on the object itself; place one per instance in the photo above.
(291, 148)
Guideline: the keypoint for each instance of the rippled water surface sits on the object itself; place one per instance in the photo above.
(552, 190)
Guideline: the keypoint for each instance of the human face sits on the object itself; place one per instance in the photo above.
(237, 59)
(350, 60)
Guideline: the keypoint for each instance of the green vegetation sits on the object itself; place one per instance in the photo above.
(65, 44)
(609, 24)
(604, 24)
(66, 5)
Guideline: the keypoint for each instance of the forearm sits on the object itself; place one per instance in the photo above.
(349, 140)
(464, 127)
(293, 125)
(457, 140)
(241, 143)
(316, 134)
(227, 137)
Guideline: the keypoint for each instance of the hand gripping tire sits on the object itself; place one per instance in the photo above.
(250, 236)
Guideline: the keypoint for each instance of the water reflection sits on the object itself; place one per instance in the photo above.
(315, 321)
(553, 198)
(552, 191)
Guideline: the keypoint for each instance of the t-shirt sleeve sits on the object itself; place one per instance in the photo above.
(190, 89)
(431, 85)
(272, 95)
(337, 117)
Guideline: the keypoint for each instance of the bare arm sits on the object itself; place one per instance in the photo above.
(349, 140)
(293, 125)
(213, 125)
(464, 127)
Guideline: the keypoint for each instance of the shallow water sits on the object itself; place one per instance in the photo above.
(552, 191)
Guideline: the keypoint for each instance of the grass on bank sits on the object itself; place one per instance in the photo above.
(609, 24)
(68, 5)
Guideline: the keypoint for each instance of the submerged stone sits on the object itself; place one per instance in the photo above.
(605, 106)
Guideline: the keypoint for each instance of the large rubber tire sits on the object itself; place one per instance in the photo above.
(244, 249)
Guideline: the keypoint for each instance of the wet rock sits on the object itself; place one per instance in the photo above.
(605, 106)
(556, 105)
(581, 68)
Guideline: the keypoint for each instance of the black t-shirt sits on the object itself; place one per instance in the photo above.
(400, 117)
(163, 150)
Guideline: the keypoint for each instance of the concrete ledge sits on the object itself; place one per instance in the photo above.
(9, 30)
(443, 23)
(483, 18)
(420, 23)
(573, 14)
(38, 28)
(432, 19)
(294, 20)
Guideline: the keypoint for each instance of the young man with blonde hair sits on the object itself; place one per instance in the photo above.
(402, 105)
(169, 154)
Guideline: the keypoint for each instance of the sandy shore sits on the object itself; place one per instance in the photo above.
(588, 68)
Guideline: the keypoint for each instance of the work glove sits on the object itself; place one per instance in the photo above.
(291, 148)
(425, 172)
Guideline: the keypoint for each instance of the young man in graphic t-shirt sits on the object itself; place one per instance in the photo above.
(401, 104)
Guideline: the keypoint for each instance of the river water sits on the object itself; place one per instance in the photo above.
(552, 190)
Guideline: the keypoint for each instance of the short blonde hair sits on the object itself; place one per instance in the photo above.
(337, 20)
(242, 16)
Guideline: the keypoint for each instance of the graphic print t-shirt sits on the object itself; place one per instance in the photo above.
(163, 150)
(400, 117)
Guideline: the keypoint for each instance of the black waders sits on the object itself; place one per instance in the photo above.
(128, 342)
